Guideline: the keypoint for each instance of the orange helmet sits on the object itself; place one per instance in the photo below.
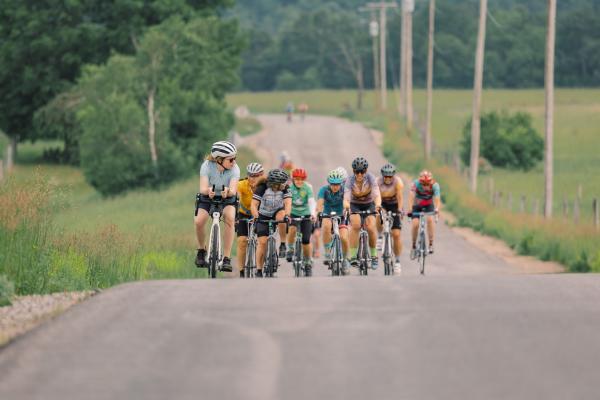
(299, 173)
(425, 177)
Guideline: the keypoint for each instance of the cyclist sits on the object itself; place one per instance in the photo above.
(219, 170)
(285, 163)
(424, 197)
(361, 193)
(391, 188)
(302, 109)
(303, 205)
(331, 198)
(272, 200)
(246, 189)
(289, 109)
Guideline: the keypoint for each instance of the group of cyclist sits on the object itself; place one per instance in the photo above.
(283, 193)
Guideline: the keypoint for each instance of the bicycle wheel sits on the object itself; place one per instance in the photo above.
(298, 259)
(364, 253)
(422, 254)
(250, 260)
(213, 263)
(387, 270)
(335, 256)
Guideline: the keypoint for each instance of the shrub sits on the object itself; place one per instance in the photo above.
(507, 140)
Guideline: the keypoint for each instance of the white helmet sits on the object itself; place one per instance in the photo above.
(223, 149)
(284, 157)
(342, 171)
(254, 168)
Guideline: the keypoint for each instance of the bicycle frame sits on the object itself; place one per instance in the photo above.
(336, 244)
(272, 255)
(421, 245)
(297, 259)
(252, 243)
(363, 255)
(387, 219)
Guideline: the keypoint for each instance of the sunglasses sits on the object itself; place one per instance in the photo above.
(360, 172)
(254, 175)
(232, 159)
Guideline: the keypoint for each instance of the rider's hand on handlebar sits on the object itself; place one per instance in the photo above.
(211, 193)
(225, 193)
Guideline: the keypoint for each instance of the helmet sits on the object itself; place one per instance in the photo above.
(299, 173)
(388, 170)
(360, 164)
(342, 171)
(425, 177)
(254, 168)
(223, 149)
(335, 178)
(277, 176)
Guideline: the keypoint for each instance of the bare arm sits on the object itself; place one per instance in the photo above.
(400, 195)
(254, 207)
(287, 205)
(320, 205)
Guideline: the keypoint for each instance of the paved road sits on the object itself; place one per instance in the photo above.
(471, 329)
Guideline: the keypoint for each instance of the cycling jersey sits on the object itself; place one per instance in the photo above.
(389, 192)
(332, 201)
(361, 194)
(245, 195)
(424, 197)
(300, 199)
(218, 178)
(270, 201)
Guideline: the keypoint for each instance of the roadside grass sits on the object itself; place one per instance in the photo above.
(246, 126)
(58, 234)
(577, 116)
(4, 141)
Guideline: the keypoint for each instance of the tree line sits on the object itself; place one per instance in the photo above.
(303, 51)
(135, 89)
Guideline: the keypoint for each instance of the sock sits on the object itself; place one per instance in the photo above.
(373, 251)
(398, 259)
(327, 247)
(290, 247)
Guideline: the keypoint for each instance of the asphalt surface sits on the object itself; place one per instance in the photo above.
(472, 328)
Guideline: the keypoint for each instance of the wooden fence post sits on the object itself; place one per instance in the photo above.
(576, 210)
(509, 202)
(523, 201)
(596, 214)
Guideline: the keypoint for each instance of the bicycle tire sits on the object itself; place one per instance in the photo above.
(423, 254)
(335, 257)
(250, 261)
(386, 256)
(365, 256)
(214, 252)
(298, 259)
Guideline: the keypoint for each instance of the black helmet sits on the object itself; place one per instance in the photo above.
(388, 170)
(277, 176)
(360, 164)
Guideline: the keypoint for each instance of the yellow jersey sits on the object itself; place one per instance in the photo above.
(245, 196)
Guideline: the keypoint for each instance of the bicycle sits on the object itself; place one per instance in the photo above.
(250, 260)
(387, 220)
(272, 255)
(421, 245)
(297, 258)
(363, 255)
(215, 252)
(336, 258)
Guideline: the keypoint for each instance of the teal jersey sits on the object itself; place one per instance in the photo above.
(300, 198)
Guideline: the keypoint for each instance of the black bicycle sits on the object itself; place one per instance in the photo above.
(363, 256)
(252, 243)
(272, 255)
(297, 257)
(336, 259)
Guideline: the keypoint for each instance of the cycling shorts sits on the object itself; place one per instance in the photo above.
(262, 228)
(205, 203)
(306, 227)
(355, 207)
(419, 209)
(393, 207)
(241, 227)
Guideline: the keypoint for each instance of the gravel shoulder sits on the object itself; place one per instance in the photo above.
(28, 312)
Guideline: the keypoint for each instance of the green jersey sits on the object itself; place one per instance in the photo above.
(300, 197)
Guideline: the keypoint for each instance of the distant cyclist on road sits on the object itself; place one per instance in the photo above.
(302, 109)
(246, 189)
(361, 193)
(289, 109)
(272, 200)
(303, 205)
(331, 199)
(424, 197)
(391, 188)
(286, 164)
(219, 170)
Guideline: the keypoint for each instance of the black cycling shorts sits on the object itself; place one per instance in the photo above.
(306, 227)
(419, 209)
(204, 203)
(241, 227)
(393, 207)
(262, 228)
(355, 207)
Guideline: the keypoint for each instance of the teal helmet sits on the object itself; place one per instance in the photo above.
(335, 177)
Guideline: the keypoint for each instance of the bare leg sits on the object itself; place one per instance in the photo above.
(430, 229)
(200, 223)
(229, 218)
(397, 242)
(242, 245)
(372, 229)
(260, 252)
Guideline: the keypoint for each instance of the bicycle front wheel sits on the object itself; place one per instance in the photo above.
(213, 263)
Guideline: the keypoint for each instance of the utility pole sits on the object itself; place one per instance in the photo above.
(374, 32)
(477, 86)
(401, 107)
(549, 146)
(382, 8)
(408, 7)
(429, 80)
